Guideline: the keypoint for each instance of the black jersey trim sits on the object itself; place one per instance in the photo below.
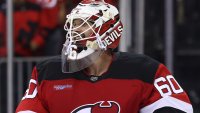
(125, 66)
(133, 66)
(168, 110)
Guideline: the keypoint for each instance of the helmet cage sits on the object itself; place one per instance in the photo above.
(74, 60)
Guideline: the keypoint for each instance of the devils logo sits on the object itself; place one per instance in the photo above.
(99, 107)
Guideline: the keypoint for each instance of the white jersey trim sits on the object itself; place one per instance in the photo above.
(26, 112)
(168, 101)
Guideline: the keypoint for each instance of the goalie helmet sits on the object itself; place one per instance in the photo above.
(81, 49)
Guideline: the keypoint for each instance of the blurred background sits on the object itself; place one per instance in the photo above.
(32, 30)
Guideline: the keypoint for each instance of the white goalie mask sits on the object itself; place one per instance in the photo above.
(92, 27)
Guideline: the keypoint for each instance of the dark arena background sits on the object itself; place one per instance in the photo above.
(32, 30)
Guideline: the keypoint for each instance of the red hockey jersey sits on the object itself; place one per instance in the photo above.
(132, 84)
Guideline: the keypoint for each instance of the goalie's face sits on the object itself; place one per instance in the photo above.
(84, 29)
(79, 32)
(79, 29)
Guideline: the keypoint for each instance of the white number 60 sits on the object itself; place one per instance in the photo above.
(166, 86)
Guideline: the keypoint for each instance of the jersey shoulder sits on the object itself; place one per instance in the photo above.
(51, 69)
(135, 66)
